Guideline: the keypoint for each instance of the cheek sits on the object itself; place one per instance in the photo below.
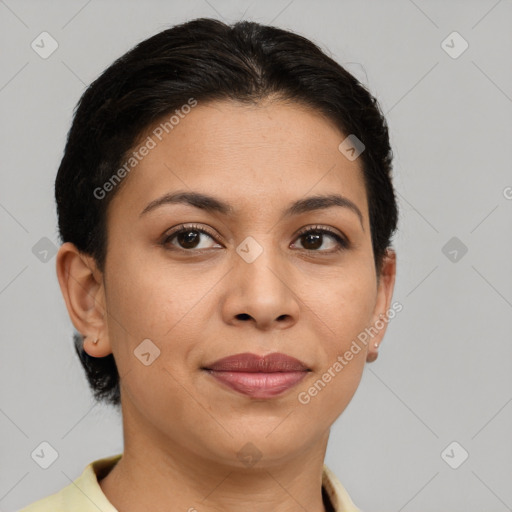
(149, 327)
(345, 311)
(160, 304)
(344, 305)
(344, 317)
(152, 300)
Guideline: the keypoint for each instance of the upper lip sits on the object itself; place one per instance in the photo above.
(247, 362)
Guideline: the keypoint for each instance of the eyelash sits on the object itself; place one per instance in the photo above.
(343, 244)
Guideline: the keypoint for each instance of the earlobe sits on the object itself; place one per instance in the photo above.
(96, 347)
(383, 303)
(372, 356)
(373, 350)
(83, 292)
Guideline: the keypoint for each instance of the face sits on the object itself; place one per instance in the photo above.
(200, 282)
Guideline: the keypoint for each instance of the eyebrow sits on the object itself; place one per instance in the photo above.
(214, 205)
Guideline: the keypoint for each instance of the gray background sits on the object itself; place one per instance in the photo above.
(445, 368)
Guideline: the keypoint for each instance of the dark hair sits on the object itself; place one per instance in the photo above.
(207, 60)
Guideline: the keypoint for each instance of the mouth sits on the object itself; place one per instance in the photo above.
(258, 376)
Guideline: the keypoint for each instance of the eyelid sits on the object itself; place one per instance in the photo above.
(192, 227)
(319, 227)
(341, 240)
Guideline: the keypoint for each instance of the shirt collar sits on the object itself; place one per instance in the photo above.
(96, 470)
(339, 497)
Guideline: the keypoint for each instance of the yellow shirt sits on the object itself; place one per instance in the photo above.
(85, 494)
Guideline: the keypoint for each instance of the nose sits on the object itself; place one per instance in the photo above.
(261, 291)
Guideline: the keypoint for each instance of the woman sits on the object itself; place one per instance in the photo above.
(226, 209)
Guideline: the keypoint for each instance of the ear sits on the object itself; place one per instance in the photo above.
(82, 287)
(385, 287)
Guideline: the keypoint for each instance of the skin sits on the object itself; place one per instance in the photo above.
(183, 429)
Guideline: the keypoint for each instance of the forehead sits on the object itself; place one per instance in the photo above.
(250, 155)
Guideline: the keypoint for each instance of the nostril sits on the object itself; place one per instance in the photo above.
(243, 316)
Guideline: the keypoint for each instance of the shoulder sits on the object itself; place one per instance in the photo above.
(82, 495)
(52, 503)
(338, 495)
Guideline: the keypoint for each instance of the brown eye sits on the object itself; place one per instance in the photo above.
(314, 238)
(190, 238)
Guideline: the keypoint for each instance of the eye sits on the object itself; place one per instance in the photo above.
(188, 237)
(314, 237)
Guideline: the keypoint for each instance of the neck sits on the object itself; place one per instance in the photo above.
(156, 473)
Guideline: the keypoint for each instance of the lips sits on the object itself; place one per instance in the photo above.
(258, 376)
(247, 362)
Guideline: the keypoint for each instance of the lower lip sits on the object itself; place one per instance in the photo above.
(257, 384)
